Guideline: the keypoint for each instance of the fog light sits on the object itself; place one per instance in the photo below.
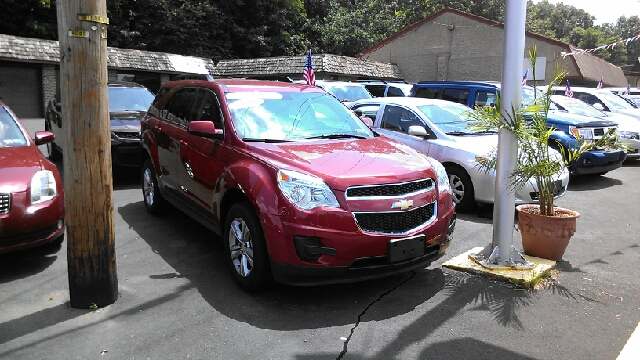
(60, 224)
(310, 248)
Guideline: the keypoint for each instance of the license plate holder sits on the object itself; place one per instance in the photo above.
(407, 248)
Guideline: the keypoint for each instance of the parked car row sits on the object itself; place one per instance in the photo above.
(301, 189)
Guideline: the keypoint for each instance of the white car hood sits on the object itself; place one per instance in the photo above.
(625, 122)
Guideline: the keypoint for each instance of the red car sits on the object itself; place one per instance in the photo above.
(301, 190)
(31, 193)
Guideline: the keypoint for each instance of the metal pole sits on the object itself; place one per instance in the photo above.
(513, 59)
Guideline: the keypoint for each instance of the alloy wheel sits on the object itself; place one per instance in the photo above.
(241, 249)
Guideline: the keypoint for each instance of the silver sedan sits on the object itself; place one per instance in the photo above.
(438, 128)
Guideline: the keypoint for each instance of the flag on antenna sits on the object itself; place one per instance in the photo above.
(567, 91)
(308, 74)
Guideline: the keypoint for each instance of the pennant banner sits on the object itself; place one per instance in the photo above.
(603, 47)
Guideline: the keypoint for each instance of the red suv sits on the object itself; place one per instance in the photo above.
(301, 190)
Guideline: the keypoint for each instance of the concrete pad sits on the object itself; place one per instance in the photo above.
(526, 278)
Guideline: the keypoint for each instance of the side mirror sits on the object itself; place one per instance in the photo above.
(417, 130)
(205, 129)
(43, 137)
(598, 106)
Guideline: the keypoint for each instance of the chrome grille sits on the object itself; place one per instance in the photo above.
(396, 222)
(127, 135)
(5, 203)
(390, 190)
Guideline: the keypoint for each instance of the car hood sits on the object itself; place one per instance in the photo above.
(630, 112)
(17, 167)
(561, 117)
(343, 163)
(128, 121)
(625, 122)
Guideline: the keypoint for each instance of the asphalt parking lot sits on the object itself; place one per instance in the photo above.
(178, 300)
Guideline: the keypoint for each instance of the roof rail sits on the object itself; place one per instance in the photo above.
(207, 77)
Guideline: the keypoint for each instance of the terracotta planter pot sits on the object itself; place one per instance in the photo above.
(546, 236)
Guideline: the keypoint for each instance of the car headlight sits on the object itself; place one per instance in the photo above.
(586, 134)
(441, 175)
(305, 191)
(629, 134)
(43, 187)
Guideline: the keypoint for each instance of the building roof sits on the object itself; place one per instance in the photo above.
(322, 63)
(591, 68)
(48, 51)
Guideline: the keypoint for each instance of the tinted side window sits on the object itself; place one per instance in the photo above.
(394, 91)
(399, 119)
(428, 93)
(179, 109)
(161, 93)
(460, 96)
(485, 98)
(207, 108)
(376, 90)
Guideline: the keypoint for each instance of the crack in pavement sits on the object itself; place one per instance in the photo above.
(353, 329)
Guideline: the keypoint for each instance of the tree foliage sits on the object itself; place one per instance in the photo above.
(227, 29)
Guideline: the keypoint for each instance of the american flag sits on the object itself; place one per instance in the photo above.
(628, 91)
(599, 84)
(567, 91)
(308, 74)
(524, 78)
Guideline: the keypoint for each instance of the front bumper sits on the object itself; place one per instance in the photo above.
(633, 147)
(597, 161)
(125, 152)
(26, 225)
(347, 254)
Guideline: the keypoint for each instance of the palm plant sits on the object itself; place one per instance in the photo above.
(536, 159)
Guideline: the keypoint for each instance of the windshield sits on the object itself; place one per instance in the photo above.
(450, 118)
(10, 133)
(290, 116)
(346, 91)
(129, 99)
(575, 106)
(614, 101)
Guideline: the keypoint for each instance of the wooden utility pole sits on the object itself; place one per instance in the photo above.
(88, 182)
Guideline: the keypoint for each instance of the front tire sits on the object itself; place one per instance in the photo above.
(246, 248)
(462, 187)
(153, 200)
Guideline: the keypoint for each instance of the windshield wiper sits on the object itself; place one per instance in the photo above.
(457, 133)
(486, 132)
(338, 136)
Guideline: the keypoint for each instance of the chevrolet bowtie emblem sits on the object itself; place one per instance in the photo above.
(402, 204)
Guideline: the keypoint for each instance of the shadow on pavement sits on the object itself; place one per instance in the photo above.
(197, 254)
(24, 263)
(591, 182)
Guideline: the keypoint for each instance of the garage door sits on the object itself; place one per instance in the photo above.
(19, 88)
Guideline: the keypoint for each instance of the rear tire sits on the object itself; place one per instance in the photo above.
(153, 200)
(246, 248)
(462, 187)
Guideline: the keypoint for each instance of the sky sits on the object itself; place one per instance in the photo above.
(605, 11)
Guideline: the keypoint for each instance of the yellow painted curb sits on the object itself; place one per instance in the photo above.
(520, 277)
